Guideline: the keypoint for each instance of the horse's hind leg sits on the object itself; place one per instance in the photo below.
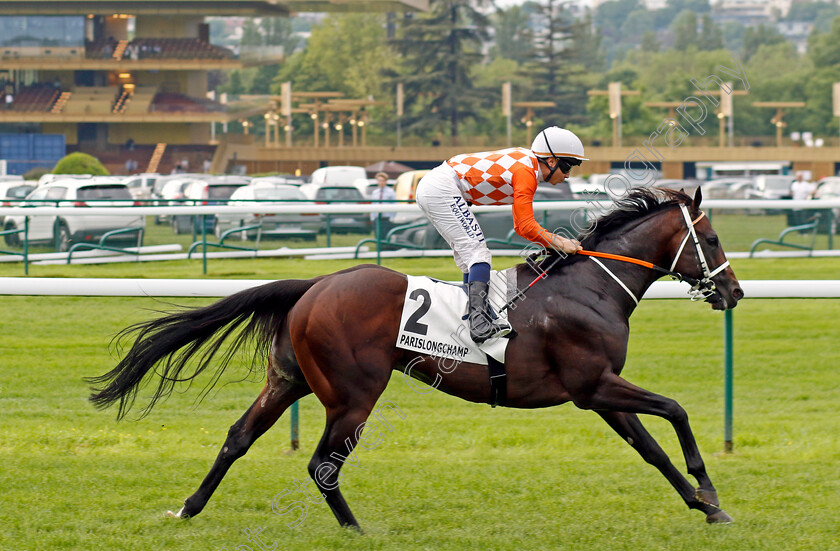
(275, 398)
(336, 448)
(630, 428)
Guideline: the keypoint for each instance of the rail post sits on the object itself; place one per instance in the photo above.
(294, 427)
(727, 382)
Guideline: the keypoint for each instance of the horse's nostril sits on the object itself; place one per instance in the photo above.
(737, 293)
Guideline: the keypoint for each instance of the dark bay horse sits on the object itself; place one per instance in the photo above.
(335, 335)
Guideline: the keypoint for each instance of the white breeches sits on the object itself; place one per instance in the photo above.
(440, 199)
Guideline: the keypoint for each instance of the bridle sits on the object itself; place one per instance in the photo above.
(701, 288)
(705, 287)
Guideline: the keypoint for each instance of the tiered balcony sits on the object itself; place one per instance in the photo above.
(35, 98)
(159, 54)
(178, 103)
(174, 48)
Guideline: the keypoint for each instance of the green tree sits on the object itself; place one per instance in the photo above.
(637, 23)
(755, 37)
(277, 31)
(587, 49)
(513, 34)
(824, 49)
(711, 36)
(684, 28)
(650, 43)
(440, 49)
(345, 53)
(80, 163)
(251, 35)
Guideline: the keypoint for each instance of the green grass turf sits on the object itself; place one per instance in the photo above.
(451, 475)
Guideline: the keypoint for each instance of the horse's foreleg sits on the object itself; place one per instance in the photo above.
(616, 394)
(274, 399)
(630, 428)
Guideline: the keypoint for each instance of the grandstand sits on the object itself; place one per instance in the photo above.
(109, 73)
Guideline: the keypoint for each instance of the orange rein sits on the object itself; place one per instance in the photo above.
(618, 257)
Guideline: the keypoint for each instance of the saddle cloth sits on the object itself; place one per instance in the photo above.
(434, 320)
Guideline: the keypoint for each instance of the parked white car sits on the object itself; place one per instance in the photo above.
(141, 185)
(265, 192)
(63, 231)
(13, 191)
(215, 191)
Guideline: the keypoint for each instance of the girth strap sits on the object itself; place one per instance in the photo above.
(498, 382)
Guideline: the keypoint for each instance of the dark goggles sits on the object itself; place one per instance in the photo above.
(565, 164)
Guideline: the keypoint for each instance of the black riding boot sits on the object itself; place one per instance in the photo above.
(482, 325)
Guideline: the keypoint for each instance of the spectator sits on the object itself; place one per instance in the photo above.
(9, 99)
(381, 194)
(801, 188)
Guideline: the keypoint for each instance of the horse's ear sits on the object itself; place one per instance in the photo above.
(698, 197)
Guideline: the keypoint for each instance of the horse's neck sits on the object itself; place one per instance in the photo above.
(647, 240)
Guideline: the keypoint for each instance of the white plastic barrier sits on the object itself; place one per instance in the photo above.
(96, 287)
(722, 204)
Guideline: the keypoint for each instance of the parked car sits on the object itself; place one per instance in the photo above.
(406, 184)
(726, 188)
(345, 223)
(211, 192)
(337, 175)
(498, 225)
(63, 231)
(170, 194)
(141, 185)
(828, 188)
(305, 226)
(12, 192)
(771, 186)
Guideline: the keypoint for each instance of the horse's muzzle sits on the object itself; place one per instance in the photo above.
(721, 302)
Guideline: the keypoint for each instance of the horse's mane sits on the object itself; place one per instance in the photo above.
(638, 203)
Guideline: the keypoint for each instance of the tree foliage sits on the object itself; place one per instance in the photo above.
(440, 49)
(80, 163)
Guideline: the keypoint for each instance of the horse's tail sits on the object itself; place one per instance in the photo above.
(174, 339)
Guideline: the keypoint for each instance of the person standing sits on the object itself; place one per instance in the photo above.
(801, 190)
(382, 193)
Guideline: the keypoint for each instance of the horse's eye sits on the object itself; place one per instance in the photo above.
(712, 241)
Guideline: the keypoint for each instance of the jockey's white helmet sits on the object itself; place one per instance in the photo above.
(558, 142)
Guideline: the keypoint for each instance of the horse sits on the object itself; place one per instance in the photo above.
(335, 335)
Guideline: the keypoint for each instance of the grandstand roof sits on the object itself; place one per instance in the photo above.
(202, 7)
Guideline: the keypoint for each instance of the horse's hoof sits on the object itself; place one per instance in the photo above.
(709, 497)
(718, 517)
(179, 514)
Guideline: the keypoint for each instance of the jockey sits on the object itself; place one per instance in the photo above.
(508, 176)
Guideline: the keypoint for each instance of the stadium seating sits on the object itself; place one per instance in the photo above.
(37, 97)
(174, 48)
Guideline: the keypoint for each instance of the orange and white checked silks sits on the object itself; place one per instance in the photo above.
(505, 177)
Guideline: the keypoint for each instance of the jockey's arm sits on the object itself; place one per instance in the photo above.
(524, 223)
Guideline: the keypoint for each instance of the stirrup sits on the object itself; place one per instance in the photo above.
(496, 329)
